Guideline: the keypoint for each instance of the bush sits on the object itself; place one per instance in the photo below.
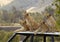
(4, 36)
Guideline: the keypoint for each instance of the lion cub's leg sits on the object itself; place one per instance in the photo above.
(25, 26)
(20, 30)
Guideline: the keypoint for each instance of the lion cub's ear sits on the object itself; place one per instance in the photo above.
(26, 15)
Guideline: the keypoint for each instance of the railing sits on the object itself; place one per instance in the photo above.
(31, 34)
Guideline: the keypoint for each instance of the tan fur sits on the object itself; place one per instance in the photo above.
(49, 25)
(36, 26)
(26, 25)
(31, 21)
(42, 28)
(30, 24)
(51, 22)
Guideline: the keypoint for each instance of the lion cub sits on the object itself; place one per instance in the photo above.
(51, 22)
(31, 21)
(48, 24)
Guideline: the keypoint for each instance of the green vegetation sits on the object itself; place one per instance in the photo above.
(57, 12)
(7, 18)
(4, 36)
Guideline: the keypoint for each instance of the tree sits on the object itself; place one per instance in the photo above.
(56, 3)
